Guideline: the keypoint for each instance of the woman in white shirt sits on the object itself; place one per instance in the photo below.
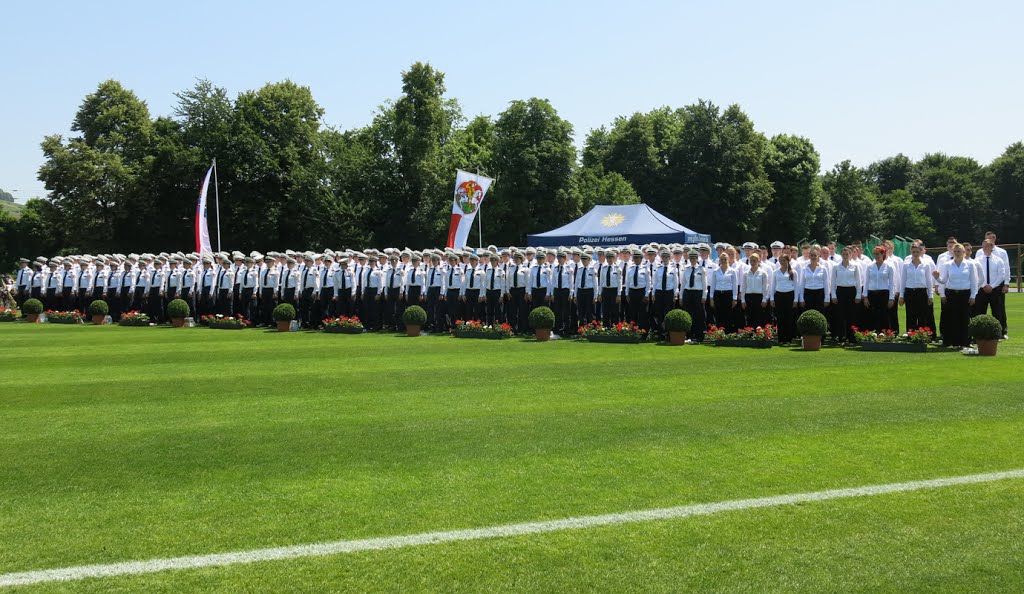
(814, 282)
(959, 280)
(725, 291)
(845, 295)
(916, 290)
(879, 290)
(755, 292)
(783, 292)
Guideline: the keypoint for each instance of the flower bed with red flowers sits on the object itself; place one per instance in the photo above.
(760, 337)
(623, 332)
(63, 317)
(478, 329)
(222, 322)
(342, 325)
(133, 318)
(7, 314)
(887, 341)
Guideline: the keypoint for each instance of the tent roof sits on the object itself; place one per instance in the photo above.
(618, 224)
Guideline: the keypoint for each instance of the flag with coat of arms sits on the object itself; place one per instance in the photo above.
(470, 189)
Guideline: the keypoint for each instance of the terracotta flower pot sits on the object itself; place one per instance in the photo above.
(812, 343)
(411, 330)
(284, 325)
(178, 322)
(677, 338)
(32, 318)
(987, 348)
(542, 334)
(98, 320)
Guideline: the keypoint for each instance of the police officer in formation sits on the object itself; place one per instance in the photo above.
(721, 285)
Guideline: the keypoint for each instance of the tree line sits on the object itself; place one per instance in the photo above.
(128, 181)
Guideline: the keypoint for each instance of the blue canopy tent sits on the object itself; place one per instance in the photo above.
(618, 225)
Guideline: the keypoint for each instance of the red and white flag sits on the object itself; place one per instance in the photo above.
(202, 228)
(470, 189)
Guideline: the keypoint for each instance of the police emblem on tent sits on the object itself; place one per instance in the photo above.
(613, 220)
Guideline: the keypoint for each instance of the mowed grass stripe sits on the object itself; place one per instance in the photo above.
(207, 441)
(506, 531)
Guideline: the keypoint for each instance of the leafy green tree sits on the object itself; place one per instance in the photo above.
(792, 165)
(853, 201)
(1006, 183)
(901, 214)
(595, 186)
(953, 191)
(534, 162)
(890, 174)
(717, 164)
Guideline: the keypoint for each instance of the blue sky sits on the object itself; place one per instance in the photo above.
(862, 80)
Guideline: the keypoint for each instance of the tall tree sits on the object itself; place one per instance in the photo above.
(901, 214)
(953, 191)
(890, 174)
(792, 165)
(1006, 179)
(853, 200)
(534, 161)
(718, 166)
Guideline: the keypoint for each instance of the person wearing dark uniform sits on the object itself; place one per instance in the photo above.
(637, 290)
(609, 281)
(561, 294)
(517, 278)
(694, 290)
(664, 287)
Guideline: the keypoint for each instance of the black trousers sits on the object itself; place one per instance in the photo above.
(306, 312)
(958, 314)
(205, 305)
(189, 298)
(916, 302)
(692, 305)
(50, 301)
(67, 299)
(663, 302)
(224, 304)
(844, 314)
(471, 309)
(637, 312)
(609, 306)
(139, 300)
(785, 315)
(155, 306)
(756, 313)
(435, 317)
(21, 295)
(392, 306)
(126, 300)
(538, 297)
(561, 305)
(370, 309)
(814, 299)
(516, 312)
(266, 306)
(584, 306)
(246, 297)
(996, 300)
(493, 299)
(344, 304)
(879, 309)
(723, 311)
(452, 307)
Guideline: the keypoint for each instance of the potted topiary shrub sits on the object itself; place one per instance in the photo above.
(98, 310)
(32, 308)
(177, 311)
(414, 318)
(812, 327)
(677, 323)
(986, 331)
(542, 320)
(283, 315)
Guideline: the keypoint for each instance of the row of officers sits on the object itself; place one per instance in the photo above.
(742, 286)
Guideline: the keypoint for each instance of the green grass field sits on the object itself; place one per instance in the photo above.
(122, 444)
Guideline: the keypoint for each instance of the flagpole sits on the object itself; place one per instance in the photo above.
(216, 194)
(479, 224)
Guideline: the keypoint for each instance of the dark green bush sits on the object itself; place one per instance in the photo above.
(178, 309)
(542, 318)
(284, 312)
(414, 316)
(99, 308)
(985, 327)
(812, 323)
(32, 307)
(678, 320)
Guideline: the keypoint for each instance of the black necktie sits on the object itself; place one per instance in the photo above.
(636, 277)
(515, 273)
(538, 276)
(451, 277)
(693, 271)
(664, 278)
(431, 283)
(988, 277)
(493, 270)
(559, 276)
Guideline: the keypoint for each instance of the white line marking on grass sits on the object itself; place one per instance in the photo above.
(412, 540)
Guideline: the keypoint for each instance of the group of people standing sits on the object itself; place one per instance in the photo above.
(732, 287)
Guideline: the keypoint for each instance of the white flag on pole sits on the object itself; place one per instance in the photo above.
(470, 189)
(202, 228)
